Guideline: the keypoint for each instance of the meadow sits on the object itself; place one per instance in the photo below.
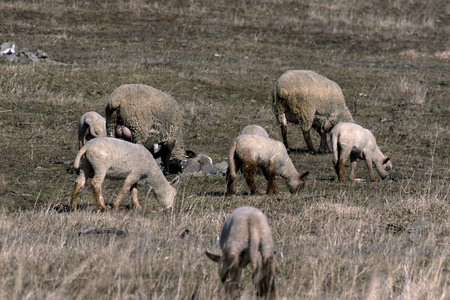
(220, 60)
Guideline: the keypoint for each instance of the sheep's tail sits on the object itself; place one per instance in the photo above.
(334, 145)
(231, 160)
(80, 153)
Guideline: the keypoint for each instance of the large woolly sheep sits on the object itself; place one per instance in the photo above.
(314, 101)
(153, 117)
(246, 238)
(91, 125)
(248, 152)
(352, 141)
(255, 129)
(112, 158)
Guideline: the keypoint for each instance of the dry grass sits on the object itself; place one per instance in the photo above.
(220, 59)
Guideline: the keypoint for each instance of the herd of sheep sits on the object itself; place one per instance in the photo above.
(143, 123)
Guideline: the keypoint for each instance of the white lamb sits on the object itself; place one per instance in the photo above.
(119, 159)
(352, 141)
(91, 125)
(246, 238)
(252, 151)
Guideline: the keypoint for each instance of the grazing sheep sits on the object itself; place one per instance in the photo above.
(246, 238)
(118, 159)
(252, 151)
(255, 129)
(356, 142)
(91, 125)
(314, 101)
(152, 117)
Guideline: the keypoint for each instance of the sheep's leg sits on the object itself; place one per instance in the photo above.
(96, 183)
(79, 183)
(323, 148)
(127, 185)
(249, 170)
(269, 174)
(284, 134)
(341, 167)
(266, 285)
(369, 167)
(234, 277)
(134, 194)
(353, 168)
(308, 140)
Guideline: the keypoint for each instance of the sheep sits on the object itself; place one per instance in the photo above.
(153, 117)
(356, 142)
(119, 159)
(246, 238)
(314, 101)
(252, 151)
(255, 129)
(91, 125)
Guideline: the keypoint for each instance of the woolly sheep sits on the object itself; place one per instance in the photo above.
(153, 117)
(352, 141)
(91, 125)
(118, 159)
(314, 101)
(246, 238)
(255, 129)
(252, 151)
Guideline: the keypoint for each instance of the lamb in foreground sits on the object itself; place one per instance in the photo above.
(255, 129)
(248, 152)
(152, 117)
(246, 238)
(112, 158)
(314, 101)
(352, 141)
(91, 125)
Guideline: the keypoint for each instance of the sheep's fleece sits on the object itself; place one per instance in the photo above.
(152, 116)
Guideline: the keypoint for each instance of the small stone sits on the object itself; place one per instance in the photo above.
(198, 174)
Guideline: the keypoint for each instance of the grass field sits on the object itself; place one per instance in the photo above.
(220, 60)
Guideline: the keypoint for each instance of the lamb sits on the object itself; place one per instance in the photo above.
(119, 159)
(246, 238)
(252, 151)
(356, 142)
(314, 101)
(91, 125)
(255, 129)
(153, 117)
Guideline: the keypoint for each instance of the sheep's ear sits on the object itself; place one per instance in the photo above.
(214, 257)
(304, 175)
(386, 160)
(175, 181)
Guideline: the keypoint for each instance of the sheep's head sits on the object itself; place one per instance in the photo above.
(297, 183)
(385, 168)
(168, 197)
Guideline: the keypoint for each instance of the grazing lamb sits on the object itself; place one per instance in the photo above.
(314, 101)
(118, 159)
(255, 129)
(356, 142)
(248, 152)
(152, 117)
(91, 125)
(246, 238)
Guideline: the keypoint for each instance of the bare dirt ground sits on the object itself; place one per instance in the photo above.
(220, 60)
